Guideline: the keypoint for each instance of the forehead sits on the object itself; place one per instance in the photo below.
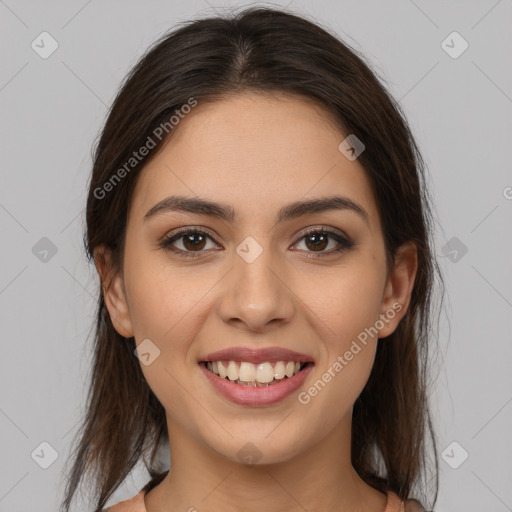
(255, 152)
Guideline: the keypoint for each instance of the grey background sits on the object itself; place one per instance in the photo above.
(53, 109)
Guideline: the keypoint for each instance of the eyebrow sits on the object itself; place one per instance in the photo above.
(294, 210)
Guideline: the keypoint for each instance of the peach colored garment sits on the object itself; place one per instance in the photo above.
(394, 504)
(136, 504)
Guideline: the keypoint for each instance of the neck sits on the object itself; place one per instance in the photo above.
(320, 477)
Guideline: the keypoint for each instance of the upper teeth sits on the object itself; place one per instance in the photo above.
(249, 372)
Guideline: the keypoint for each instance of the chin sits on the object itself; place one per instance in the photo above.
(259, 450)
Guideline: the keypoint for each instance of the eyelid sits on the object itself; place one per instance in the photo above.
(322, 227)
(301, 233)
(187, 229)
(346, 242)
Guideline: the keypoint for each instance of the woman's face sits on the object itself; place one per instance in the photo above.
(253, 280)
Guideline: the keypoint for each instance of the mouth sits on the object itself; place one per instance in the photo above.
(247, 374)
(256, 384)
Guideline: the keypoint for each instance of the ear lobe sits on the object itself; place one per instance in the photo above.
(397, 294)
(113, 291)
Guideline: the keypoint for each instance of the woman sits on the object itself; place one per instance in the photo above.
(259, 220)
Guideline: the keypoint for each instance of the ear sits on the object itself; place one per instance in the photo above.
(397, 293)
(112, 284)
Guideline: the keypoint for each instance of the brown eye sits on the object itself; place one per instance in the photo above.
(317, 240)
(192, 241)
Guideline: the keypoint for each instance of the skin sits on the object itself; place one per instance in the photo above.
(256, 153)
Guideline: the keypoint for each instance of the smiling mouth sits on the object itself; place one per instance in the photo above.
(255, 375)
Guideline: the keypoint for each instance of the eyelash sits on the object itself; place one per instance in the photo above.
(345, 244)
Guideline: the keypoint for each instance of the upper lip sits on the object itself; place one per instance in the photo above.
(257, 356)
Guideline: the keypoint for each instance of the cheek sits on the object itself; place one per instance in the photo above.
(347, 300)
(332, 394)
(166, 308)
(346, 309)
(162, 297)
(350, 308)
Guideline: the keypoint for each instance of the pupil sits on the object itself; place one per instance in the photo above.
(189, 239)
(317, 242)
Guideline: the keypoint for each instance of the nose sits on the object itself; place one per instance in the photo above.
(255, 295)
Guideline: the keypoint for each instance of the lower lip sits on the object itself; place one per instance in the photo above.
(264, 395)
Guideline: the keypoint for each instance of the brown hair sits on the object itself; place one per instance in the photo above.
(263, 50)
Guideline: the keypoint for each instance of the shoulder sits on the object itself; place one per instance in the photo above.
(412, 505)
(135, 504)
